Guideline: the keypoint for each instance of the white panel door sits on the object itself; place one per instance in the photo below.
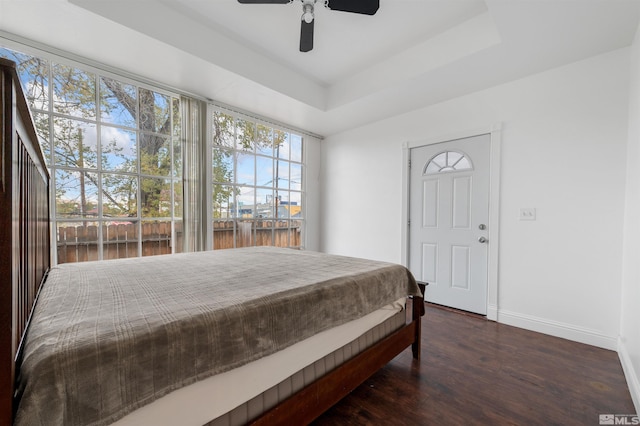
(449, 217)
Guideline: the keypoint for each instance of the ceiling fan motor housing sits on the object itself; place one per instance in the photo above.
(308, 14)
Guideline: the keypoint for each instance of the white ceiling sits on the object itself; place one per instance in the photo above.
(345, 43)
(411, 54)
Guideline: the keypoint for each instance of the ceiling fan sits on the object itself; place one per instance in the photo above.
(365, 7)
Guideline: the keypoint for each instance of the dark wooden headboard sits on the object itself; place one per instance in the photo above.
(24, 227)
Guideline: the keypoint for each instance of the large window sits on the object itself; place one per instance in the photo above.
(114, 149)
(257, 190)
(114, 153)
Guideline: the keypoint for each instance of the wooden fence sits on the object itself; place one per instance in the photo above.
(120, 240)
(256, 233)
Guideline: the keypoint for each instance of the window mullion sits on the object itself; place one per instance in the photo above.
(100, 221)
(52, 181)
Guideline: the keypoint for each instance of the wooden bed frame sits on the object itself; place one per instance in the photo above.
(25, 249)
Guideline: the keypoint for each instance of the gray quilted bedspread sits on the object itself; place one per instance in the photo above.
(109, 337)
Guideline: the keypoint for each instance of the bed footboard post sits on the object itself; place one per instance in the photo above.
(418, 312)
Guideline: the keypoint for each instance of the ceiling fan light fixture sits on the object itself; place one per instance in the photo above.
(308, 12)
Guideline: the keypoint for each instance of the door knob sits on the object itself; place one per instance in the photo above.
(482, 240)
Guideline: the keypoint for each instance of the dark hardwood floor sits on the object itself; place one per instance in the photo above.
(475, 371)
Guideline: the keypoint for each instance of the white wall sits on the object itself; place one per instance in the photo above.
(629, 345)
(563, 152)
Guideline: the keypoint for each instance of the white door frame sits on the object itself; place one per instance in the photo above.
(494, 204)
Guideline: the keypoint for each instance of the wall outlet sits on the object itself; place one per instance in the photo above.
(528, 213)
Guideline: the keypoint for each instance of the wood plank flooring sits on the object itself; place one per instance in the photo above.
(478, 372)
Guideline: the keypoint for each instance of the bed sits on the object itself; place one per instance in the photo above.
(258, 335)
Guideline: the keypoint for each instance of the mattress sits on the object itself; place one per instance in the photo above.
(240, 395)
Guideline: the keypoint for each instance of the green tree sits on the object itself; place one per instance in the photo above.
(230, 136)
(74, 140)
(85, 96)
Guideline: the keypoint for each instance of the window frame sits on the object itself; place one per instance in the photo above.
(447, 168)
(94, 227)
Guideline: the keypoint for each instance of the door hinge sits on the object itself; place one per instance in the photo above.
(409, 163)
(408, 223)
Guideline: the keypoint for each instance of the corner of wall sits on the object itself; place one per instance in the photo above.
(629, 372)
(629, 340)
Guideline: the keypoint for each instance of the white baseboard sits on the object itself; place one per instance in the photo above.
(633, 380)
(558, 329)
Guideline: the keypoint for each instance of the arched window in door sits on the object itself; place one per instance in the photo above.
(447, 161)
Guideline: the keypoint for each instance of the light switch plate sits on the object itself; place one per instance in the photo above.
(527, 213)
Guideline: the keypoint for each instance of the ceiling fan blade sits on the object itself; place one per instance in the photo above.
(306, 36)
(366, 7)
(265, 1)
